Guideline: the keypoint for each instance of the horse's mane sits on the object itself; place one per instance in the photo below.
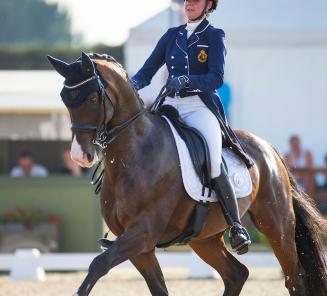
(111, 59)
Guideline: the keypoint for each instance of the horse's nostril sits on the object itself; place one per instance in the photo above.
(89, 157)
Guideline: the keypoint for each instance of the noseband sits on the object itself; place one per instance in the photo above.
(101, 135)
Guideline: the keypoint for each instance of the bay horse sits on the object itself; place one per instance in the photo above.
(144, 203)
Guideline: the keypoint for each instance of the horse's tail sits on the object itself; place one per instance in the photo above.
(310, 226)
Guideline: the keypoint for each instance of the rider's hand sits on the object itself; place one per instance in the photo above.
(177, 84)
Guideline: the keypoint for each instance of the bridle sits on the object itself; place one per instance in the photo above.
(102, 136)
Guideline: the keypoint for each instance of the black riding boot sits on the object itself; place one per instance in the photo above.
(238, 235)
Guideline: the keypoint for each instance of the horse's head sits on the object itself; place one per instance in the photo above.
(89, 105)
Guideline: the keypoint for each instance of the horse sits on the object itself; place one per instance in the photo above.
(143, 200)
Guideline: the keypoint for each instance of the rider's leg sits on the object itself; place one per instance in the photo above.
(238, 235)
(196, 114)
(204, 121)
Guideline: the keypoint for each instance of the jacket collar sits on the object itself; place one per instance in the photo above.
(194, 38)
(181, 39)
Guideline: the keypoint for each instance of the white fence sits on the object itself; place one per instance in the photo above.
(30, 264)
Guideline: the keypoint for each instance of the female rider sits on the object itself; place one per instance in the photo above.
(194, 54)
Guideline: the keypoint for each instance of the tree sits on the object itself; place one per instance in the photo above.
(33, 22)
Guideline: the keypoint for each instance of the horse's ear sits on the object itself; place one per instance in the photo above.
(61, 67)
(87, 65)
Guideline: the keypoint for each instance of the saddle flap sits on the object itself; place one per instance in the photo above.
(195, 142)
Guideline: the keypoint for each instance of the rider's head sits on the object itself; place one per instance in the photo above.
(197, 9)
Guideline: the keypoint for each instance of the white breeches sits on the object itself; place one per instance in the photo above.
(196, 114)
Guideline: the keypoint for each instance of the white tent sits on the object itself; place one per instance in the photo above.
(31, 107)
(276, 66)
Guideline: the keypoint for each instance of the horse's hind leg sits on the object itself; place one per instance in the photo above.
(275, 218)
(148, 266)
(213, 251)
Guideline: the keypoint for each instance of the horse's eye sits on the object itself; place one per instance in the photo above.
(93, 100)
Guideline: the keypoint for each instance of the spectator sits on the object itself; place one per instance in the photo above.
(27, 167)
(298, 158)
(70, 167)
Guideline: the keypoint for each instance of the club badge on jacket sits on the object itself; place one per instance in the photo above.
(202, 56)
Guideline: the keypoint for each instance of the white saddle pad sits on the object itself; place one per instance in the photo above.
(237, 172)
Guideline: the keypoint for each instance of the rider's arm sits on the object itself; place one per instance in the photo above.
(157, 58)
(216, 62)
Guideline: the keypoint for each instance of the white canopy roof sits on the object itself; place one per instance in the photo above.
(30, 91)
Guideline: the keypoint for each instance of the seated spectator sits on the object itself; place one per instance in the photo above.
(70, 166)
(27, 167)
(299, 158)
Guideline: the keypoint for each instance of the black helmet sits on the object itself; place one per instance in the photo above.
(214, 5)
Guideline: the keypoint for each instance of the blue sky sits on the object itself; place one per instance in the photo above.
(111, 21)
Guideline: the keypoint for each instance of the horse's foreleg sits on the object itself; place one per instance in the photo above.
(148, 266)
(214, 252)
(132, 243)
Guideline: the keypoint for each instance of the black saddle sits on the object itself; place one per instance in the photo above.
(195, 142)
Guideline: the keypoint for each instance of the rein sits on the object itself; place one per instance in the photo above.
(102, 136)
(113, 133)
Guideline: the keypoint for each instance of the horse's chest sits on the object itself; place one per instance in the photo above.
(110, 213)
(117, 215)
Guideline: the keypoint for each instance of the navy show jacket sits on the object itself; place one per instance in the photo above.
(200, 57)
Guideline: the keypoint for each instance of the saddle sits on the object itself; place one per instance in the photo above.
(195, 142)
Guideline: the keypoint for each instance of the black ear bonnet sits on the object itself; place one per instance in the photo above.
(81, 79)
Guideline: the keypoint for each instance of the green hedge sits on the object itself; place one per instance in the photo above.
(34, 57)
(70, 198)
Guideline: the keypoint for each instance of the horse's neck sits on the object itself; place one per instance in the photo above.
(123, 113)
(128, 103)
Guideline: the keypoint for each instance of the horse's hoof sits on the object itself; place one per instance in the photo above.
(243, 250)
